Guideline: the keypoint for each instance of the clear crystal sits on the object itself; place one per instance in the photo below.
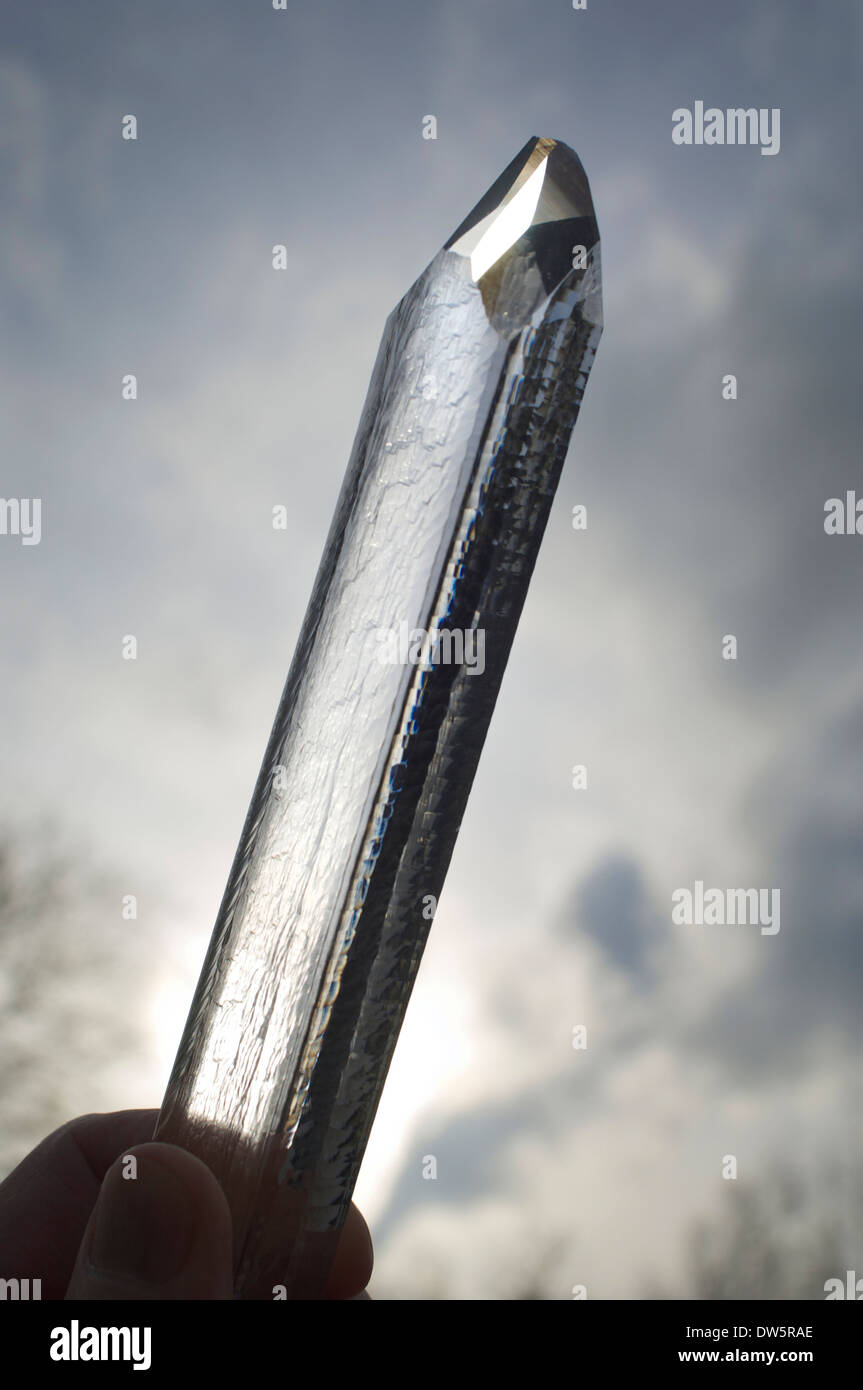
(472, 401)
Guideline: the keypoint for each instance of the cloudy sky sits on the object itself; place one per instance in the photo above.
(705, 518)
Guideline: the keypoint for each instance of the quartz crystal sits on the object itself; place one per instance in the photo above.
(473, 397)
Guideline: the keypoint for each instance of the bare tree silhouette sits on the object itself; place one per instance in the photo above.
(69, 1014)
(780, 1237)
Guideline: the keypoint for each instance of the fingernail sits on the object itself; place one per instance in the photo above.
(144, 1225)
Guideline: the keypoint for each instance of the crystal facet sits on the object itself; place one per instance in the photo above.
(472, 401)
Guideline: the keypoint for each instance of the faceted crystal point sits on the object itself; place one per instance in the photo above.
(523, 236)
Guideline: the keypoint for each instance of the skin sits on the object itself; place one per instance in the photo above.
(69, 1217)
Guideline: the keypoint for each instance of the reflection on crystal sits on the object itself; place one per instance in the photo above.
(487, 242)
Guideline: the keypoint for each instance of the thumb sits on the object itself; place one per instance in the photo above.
(160, 1229)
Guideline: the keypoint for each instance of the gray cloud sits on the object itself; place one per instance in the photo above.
(706, 517)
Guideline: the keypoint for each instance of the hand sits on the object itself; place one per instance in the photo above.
(164, 1235)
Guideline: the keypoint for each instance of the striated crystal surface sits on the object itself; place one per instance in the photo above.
(473, 397)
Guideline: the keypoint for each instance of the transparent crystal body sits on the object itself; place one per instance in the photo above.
(471, 405)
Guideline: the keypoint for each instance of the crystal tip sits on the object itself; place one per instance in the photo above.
(528, 228)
